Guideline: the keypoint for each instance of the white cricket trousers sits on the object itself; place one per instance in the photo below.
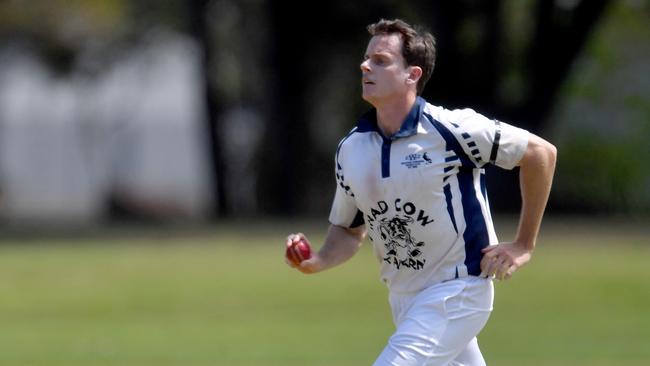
(438, 326)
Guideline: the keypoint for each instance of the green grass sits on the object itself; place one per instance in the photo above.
(224, 299)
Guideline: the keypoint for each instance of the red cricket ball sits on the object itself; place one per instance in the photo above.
(298, 252)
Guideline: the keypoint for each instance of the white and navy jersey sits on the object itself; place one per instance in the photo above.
(421, 192)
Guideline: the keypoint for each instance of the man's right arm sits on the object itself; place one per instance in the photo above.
(341, 244)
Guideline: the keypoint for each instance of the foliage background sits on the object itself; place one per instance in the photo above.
(197, 110)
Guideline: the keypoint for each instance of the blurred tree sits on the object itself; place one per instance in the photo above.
(474, 65)
(506, 59)
(562, 29)
(602, 119)
(299, 62)
(474, 52)
(474, 60)
(200, 30)
(58, 29)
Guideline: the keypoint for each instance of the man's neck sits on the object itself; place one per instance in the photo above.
(391, 115)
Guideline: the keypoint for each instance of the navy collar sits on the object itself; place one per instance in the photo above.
(368, 122)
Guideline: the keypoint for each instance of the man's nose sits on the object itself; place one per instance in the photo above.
(364, 66)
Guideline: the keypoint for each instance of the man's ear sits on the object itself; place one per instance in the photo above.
(415, 73)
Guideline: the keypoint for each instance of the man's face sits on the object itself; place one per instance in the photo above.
(384, 71)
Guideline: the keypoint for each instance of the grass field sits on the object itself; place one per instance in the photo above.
(225, 297)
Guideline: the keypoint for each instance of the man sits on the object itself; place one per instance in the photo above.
(410, 177)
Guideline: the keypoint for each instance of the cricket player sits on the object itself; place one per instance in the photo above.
(410, 176)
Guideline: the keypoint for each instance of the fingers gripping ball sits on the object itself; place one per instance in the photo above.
(298, 252)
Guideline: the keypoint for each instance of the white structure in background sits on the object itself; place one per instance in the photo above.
(134, 130)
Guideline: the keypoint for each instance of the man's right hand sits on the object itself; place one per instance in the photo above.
(307, 266)
(339, 246)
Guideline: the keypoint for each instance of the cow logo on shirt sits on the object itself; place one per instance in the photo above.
(402, 249)
(393, 222)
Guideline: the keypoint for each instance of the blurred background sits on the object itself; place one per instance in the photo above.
(195, 111)
(155, 154)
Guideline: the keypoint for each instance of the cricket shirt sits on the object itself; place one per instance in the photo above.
(421, 192)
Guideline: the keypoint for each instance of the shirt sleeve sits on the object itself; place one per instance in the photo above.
(344, 210)
(487, 140)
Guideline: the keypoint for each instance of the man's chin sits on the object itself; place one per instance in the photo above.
(369, 98)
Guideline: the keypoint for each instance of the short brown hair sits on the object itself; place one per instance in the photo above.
(418, 46)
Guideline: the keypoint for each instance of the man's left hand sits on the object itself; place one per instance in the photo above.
(501, 261)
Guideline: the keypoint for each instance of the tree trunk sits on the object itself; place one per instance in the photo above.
(200, 31)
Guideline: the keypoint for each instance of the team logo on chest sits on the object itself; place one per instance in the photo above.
(414, 160)
(402, 249)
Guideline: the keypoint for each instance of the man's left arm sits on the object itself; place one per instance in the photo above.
(535, 176)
